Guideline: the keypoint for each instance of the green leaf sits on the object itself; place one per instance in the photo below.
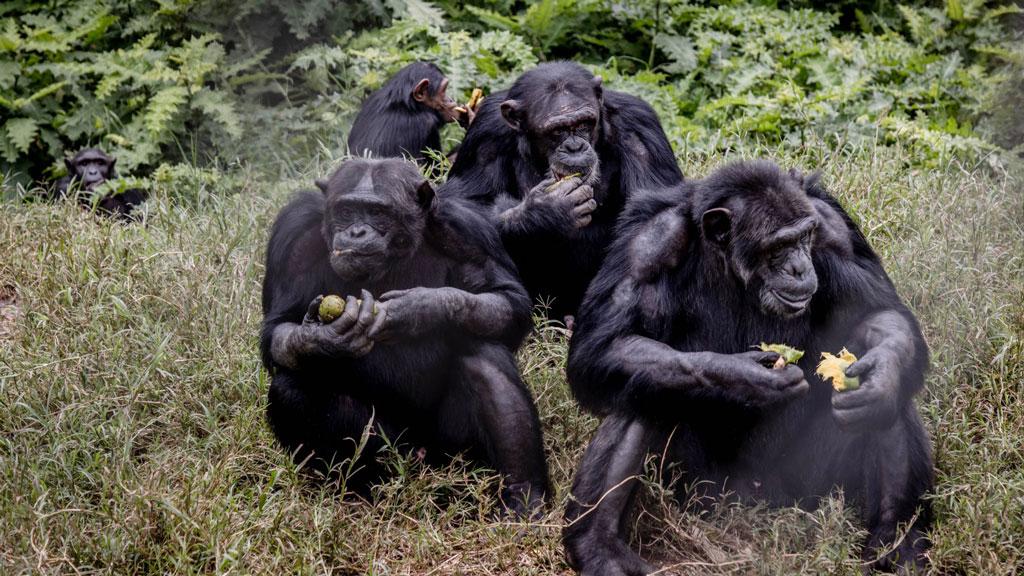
(955, 10)
(217, 106)
(21, 132)
(680, 50)
(494, 19)
(163, 106)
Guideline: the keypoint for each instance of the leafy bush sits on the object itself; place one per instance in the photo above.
(276, 83)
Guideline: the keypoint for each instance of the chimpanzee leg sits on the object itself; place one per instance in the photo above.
(323, 427)
(897, 472)
(603, 493)
(489, 408)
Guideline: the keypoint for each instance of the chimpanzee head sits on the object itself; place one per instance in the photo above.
(374, 216)
(422, 85)
(558, 108)
(91, 167)
(760, 220)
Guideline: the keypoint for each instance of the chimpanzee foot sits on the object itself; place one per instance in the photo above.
(605, 557)
(522, 501)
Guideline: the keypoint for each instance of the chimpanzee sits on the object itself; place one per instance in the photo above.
(405, 116)
(662, 351)
(90, 168)
(555, 157)
(424, 348)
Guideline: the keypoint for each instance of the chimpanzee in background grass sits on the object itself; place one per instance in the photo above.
(405, 116)
(662, 351)
(555, 158)
(90, 168)
(425, 346)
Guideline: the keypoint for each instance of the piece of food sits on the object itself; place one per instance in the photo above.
(331, 307)
(787, 354)
(834, 368)
(563, 179)
(475, 98)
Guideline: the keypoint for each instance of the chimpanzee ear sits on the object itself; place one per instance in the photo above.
(322, 185)
(419, 93)
(716, 225)
(510, 112)
(69, 163)
(598, 89)
(425, 194)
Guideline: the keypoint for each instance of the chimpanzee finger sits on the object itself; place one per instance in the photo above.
(565, 187)
(347, 320)
(863, 396)
(766, 359)
(862, 366)
(379, 322)
(584, 209)
(787, 377)
(365, 319)
(313, 312)
(582, 221)
(392, 294)
(850, 417)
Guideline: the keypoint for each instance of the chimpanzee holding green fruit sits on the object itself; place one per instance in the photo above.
(423, 350)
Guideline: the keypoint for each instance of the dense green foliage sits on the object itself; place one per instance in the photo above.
(266, 81)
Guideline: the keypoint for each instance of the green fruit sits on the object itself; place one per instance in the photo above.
(330, 308)
(787, 354)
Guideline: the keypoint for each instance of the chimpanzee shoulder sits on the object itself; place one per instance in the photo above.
(638, 138)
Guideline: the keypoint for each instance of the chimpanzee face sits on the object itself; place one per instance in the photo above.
(374, 216)
(439, 101)
(561, 121)
(91, 167)
(768, 247)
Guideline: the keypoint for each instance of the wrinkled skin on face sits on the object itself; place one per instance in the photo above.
(562, 126)
(91, 167)
(440, 101)
(373, 218)
(769, 251)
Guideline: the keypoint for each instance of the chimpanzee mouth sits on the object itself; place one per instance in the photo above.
(588, 173)
(792, 304)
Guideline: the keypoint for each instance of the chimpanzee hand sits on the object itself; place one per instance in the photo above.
(875, 405)
(748, 378)
(415, 311)
(567, 198)
(350, 335)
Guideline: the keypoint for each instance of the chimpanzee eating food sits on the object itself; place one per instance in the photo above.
(662, 351)
(90, 168)
(555, 158)
(405, 116)
(422, 352)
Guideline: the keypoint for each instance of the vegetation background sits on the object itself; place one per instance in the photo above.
(132, 437)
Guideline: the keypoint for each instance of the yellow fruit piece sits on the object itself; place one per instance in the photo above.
(330, 308)
(834, 368)
(787, 354)
(475, 98)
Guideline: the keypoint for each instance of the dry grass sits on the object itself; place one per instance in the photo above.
(132, 437)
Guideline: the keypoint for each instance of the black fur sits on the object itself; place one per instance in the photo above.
(663, 284)
(447, 390)
(393, 124)
(497, 167)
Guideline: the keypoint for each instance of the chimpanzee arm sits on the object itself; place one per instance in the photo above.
(869, 319)
(483, 299)
(616, 358)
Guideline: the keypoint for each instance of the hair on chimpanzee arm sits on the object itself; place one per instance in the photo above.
(287, 297)
(646, 157)
(614, 356)
(866, 303)
(501, 309)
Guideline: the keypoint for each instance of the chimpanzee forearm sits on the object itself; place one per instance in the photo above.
(289, 345)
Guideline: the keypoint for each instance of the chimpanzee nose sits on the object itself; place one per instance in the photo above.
(358, 231)
(575, 145)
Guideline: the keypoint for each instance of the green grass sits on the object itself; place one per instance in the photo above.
(132, 437)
